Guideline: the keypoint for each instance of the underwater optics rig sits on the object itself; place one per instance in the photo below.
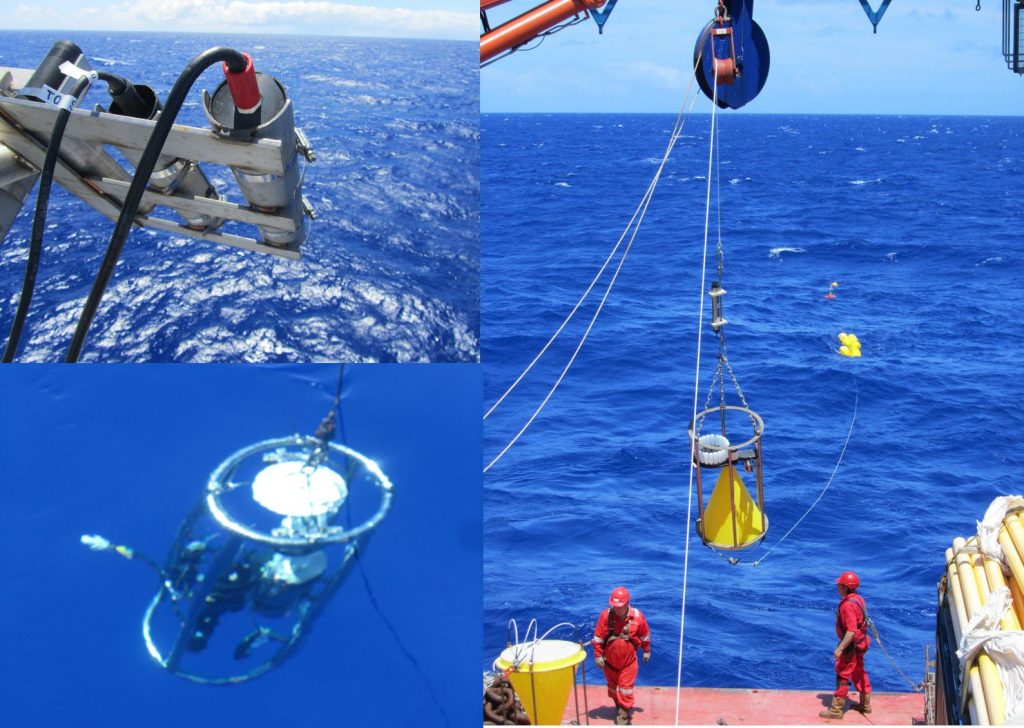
(258, 558)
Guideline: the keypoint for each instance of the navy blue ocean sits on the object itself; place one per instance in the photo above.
(389, 272)
(921, 223)
(124, 451)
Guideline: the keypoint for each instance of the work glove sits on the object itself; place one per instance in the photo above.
(599, 661)
(647, 657)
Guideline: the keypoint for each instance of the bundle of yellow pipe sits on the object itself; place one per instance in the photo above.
(971, 578)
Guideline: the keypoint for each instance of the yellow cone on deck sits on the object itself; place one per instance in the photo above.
(718, 520)
(544, 675)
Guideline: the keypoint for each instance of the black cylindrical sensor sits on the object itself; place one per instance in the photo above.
(137, 101)
(49, 83)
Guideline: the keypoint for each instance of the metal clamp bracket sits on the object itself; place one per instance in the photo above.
(601, 16)
(875, 16)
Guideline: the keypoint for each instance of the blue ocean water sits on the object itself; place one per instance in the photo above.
(390, 270)
(124, 451)
(921, 222)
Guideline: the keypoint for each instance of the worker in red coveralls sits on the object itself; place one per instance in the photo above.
(852, 631)
(621, 631)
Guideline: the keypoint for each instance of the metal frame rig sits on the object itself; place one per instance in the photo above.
(257, 559)
(263, 159)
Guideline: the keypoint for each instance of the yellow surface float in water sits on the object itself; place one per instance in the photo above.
(849, 344)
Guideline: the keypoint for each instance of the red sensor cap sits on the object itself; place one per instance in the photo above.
(245, 90)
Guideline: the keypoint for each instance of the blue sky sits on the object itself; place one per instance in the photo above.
(442, 19)
(927, 58)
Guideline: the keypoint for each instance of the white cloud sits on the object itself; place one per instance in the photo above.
(277, 16)
(655, 74)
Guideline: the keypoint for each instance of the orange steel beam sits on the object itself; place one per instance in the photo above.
(530, 24)
(488, 4)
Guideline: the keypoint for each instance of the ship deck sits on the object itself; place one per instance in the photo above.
(721, 706)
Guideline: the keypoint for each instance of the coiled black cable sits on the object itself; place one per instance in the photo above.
(35, 247)
(236, 63)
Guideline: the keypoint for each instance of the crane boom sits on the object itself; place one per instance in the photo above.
(529, 25)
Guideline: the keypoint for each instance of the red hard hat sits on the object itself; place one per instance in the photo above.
(620, 596)
(848, 579)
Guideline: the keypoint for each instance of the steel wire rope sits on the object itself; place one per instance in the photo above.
(676, 133)
(696, 393)
(236, 63)
(916, 687)
(643, 201)
(35, 248)
(575, 308)
(586, 333)
(853, 420)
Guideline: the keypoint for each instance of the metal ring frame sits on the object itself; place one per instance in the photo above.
(220, 483)
(298, 631)
(754, 418)
(729, 463)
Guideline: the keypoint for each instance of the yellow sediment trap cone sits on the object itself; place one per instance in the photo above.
(973, 577)
(732, 518)
(543, 673)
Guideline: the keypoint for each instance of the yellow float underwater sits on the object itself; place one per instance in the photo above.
(543, 673)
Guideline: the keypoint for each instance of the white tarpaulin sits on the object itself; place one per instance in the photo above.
(988, 527)
(1005, 648)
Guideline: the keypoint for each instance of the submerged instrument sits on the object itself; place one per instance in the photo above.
(258, 558)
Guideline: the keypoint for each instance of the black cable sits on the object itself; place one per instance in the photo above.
(116, 84)
(236, 63)
(325, 432)
(366, 582)
(35, 247)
